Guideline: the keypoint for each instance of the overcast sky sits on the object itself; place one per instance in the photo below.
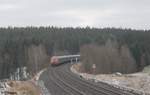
(95, 13)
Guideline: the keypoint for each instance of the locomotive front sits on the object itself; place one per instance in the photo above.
(54, 60)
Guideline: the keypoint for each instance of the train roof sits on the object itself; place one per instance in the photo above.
(65, 56)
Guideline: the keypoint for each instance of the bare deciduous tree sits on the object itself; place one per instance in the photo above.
(108, 58)
(37, 58)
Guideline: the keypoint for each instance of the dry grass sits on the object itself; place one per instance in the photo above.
(23, 88)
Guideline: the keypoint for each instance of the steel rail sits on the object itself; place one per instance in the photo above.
(65, 85)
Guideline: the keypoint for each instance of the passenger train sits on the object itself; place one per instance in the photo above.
(57, 60)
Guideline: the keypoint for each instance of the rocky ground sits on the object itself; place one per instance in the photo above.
(138, 82)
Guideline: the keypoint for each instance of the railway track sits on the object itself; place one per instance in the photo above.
(88, 89)
(102, 89)
(60, 81)
(100, 85)
(65, 85)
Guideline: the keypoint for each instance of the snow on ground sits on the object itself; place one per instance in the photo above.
(137, 82)
(40, 83)
(37, 76)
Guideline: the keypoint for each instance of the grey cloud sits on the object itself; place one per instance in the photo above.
(96, 13)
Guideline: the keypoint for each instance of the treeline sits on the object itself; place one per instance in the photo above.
(14, 43)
